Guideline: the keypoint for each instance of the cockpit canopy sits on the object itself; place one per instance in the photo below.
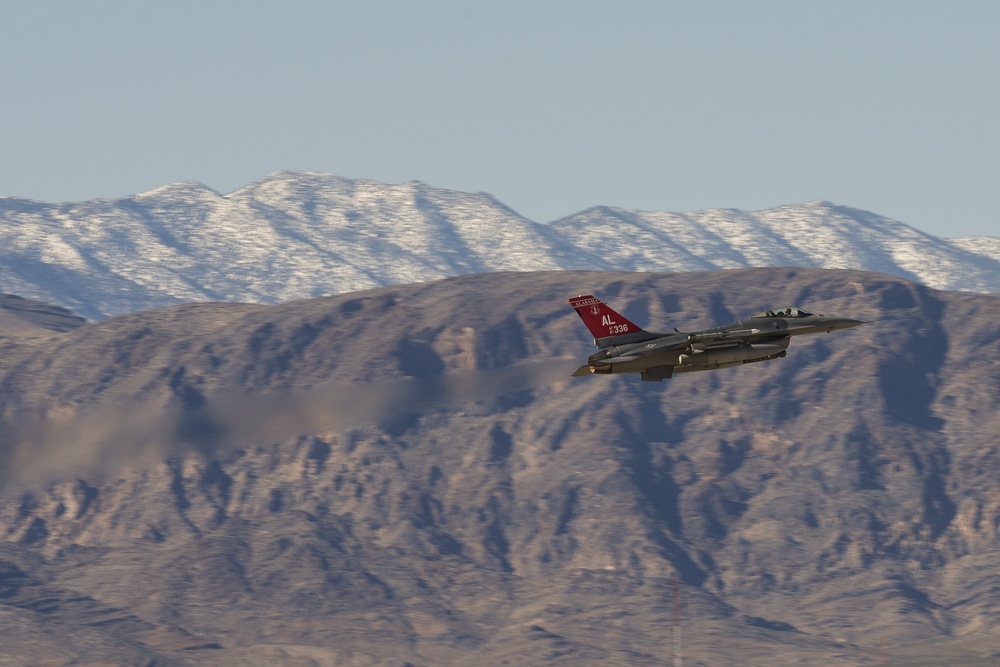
(790, 312)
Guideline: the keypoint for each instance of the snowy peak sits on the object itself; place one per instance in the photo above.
(814, 234)
(295, 235)
(185, 190)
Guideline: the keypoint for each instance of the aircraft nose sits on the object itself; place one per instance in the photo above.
(838, 323)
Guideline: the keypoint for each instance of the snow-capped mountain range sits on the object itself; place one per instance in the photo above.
(296, 235)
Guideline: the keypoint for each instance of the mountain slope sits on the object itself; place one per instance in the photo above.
(407, 475)
(300, 235)
(817, 234)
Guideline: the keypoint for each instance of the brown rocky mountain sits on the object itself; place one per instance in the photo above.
(408, 476)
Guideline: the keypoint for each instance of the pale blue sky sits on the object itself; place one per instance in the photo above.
(552, 107)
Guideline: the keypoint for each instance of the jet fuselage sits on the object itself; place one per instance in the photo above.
(626, 348)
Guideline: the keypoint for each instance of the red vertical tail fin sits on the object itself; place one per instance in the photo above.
(600, 319)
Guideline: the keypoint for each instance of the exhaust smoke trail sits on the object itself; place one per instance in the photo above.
(108, 439)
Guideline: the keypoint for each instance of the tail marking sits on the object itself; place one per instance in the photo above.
(600, 319)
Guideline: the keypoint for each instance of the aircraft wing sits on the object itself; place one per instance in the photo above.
(618, 360)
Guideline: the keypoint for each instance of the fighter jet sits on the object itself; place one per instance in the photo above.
(626, 348)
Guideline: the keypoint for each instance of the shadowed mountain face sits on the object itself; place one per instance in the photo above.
(408, 475)
(20, 317)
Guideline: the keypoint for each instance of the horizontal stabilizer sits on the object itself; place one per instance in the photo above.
(581, 371)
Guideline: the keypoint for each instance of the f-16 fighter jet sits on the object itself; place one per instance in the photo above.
(625, 348)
